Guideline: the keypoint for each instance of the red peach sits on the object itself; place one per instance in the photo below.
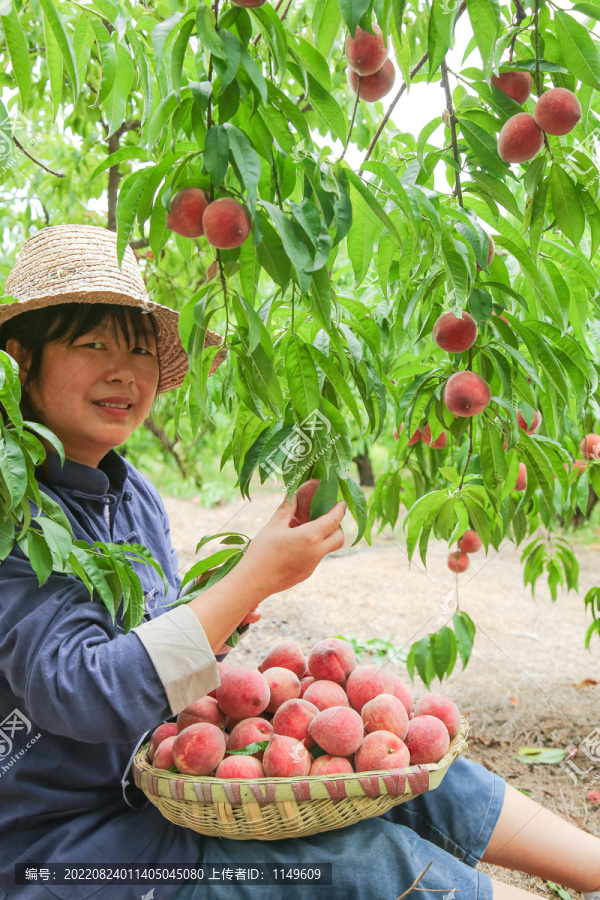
(385, 713)
(382, 750)
(579, 464)
(364, 683)
(442, 708)
(243, 692)
(439, 443)
(283, 684)
(226, 223)
(427, 740)
(331, 765)
(285, 756)
(223, 667)
(520, 139)
(373, 87)
(206, 709)
(199, 749)
(516, 84)
(491, 253)
(466, 394)
(167, 729)
(521, 478)
(286, 655)
(537, 421)
(455, 334)
(250, 731)
(366, 52)
(403, 693)
(413, 440)
(589, 446)
(163, 758)
(293, 718)
(338, 730)
(325, 694)
(470, 542)
(331, 660)
(458, 562)
(557, 111)
(240, 767)
(187, 209)
(305, 683)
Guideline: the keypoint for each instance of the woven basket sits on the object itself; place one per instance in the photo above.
(269, 809)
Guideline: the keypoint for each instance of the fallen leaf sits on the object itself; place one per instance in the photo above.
(587, 682)
(547, 755)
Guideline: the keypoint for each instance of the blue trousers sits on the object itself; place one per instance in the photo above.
(379, 858)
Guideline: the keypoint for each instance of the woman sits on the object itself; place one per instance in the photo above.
(77, 694)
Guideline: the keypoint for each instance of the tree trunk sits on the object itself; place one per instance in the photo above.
(365, 471)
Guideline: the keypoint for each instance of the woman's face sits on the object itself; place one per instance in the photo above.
(95, 367)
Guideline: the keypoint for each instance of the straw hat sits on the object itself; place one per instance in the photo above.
(78, 264)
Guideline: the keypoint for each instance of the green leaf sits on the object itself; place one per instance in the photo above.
(302, 377)
(485, 19)
(116, 102)
(464, 631)
(18, 50)
(209, 37)
(124, 153)
(161, 34)
(327, 108)
(326, 24)
(54, 61)
(567, 206)
(246, 162)
(227, 68)
(494, 468)
(535, 755)
(216, 154)
(443, 651)
(581, 54)
(64, 42)
(484, 147)
(357, 504)
(352, 12)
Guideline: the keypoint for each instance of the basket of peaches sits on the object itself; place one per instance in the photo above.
(297, 746)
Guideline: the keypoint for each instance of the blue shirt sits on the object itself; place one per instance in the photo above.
(77, 694)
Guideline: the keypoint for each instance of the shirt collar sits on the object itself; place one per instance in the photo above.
(110, 474)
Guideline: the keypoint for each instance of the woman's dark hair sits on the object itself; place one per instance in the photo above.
(65, 322)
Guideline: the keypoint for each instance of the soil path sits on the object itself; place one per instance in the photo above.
(529, 683)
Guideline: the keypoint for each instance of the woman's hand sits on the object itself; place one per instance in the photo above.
(289, 548)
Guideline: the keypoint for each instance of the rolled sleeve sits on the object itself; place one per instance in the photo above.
(177, 645)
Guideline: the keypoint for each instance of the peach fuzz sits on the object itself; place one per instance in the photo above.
(286, 655)
(403, 693)
(331, 765)
(226, 223)
(382, 750)
(293, 718)
(163, 758)
(198, 749)
(167, 729)
(243, 692)
(250, 731)
(366, 52)
(466, 394)
(385, 713)
(427, 739)
(206, 709)
(331, 660)
(285, 757)
(365, 682)
(455, 334)
(520, 139)
(305, 683)
(240, 767)
(325, 694)
(339, 730)
(223, 668)
(557, 111)
(187, 209)
(442, 708)
(283, 685)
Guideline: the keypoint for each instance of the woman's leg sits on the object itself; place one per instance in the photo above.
(531, 839)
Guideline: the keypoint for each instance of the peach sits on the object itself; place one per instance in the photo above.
(331, 765)
(458, 562)
(198, 749)
(373, 87)
(382, 750)
(240, 767)
(402, 692)
(163, 758)
(226, 223)
(283, 684)
(293, 718)
(466, 394)
(305, 683)
(365, 682)
(491, 253)
(537, 421)
(579, 464)
(521, 478)
(470, 542)
(243, 692)
(520, 139)
(304, 498)
(206, 709)
(331, 660)
(325, 694)
(339, 730)
(412, 440)
(250, 731)
(285, 757)
(187, 209)
(223, 668)
(516, 84)
(439, 443)
(453, 333)
(366, 52)
(167, 729)
(590, 446)
(385, 713)
(557, 111)
(427, 739)
(286, 655)
(442, 708)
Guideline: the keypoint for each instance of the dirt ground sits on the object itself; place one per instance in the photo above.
(529, 683)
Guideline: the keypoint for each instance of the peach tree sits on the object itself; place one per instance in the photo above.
(273, 196)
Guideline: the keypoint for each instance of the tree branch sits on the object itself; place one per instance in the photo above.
(36, 161)
(141, 242)
(163, 438)
(412, 74)
(353, 117)
(114, 176)
(450, 108)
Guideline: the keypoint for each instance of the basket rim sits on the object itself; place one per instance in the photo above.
(458, 745)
